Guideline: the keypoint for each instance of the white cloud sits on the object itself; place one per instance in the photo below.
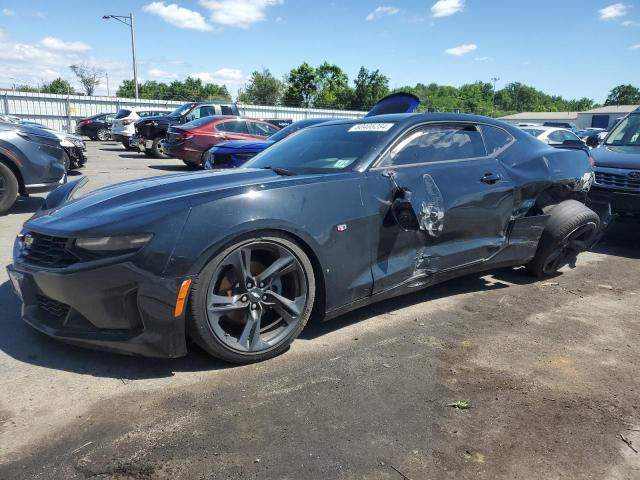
(482, 59)
(381, 12)
(58, 44)
(238, 13)
(635, 47)
(157, 73)
(445, 8)
(461, 49)
(630, 23)
(224, 75)
(613, 11)
(7, 12)
(178, 16)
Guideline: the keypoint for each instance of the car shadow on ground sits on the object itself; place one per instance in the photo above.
(113, 149)
(486, 281)
(136, 156)
(26, 205)
(622, 239)
(173, 168)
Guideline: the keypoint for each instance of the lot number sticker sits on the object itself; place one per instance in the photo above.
(371, 127)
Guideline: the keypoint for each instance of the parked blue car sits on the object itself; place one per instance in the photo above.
(235, 153)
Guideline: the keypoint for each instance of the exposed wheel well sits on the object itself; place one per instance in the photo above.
(15, 171)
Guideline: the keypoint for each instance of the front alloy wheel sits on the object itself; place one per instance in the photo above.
(253, 299)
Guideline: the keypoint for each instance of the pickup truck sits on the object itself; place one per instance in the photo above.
(151, 131)
(617, 166)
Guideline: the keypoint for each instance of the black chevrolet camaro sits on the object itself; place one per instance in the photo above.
(335, 217)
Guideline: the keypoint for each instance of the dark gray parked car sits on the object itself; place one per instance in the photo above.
(31, 161)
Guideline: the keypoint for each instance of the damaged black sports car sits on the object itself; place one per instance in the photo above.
(335, 217)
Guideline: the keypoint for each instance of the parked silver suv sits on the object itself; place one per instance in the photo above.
(31, 161)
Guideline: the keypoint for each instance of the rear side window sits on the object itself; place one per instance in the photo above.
(495, 138)
(226, 110)
(124, 113)
(262, 129)
(436, 144)
(234, 126)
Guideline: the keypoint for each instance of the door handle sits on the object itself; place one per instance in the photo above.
(491, 178)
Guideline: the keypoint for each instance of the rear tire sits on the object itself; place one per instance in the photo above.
(570, 230)
(156, 148)
(102, 134)
(252, 300)
(8, 188)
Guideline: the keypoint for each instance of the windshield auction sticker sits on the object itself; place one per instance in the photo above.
(371, 127)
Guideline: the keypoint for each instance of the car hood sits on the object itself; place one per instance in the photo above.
(244, 145)
(617, 157)
(140, 202)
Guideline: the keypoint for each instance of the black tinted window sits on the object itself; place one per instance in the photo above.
(495, 138)
(226, 110)
(436, 144)
(124, 113)
(233, 126)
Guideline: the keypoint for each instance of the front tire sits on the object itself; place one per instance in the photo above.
(8, 188)
(571, 229)
(252, 300)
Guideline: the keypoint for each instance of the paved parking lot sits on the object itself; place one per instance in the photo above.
(550, 370)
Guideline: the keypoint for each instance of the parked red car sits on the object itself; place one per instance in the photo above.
(190, 142)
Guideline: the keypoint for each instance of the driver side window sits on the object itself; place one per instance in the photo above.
(437, 143)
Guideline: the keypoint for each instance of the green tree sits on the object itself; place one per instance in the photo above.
(369, 88)
(301, 86)
(333, 89)
(58, 86)
(191, 89)
(262, 89)
(623, 95)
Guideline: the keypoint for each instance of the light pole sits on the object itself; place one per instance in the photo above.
(493, 103)
(129, 21)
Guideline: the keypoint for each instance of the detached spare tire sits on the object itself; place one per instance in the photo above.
(570, 230)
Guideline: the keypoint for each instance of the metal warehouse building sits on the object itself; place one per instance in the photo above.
(601, 117)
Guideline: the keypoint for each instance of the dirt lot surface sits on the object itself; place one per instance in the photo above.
(551, 371)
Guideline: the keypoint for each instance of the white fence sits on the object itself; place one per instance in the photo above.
(61, 112)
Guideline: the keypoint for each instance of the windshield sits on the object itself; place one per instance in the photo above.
(323, 149)
(627, 133)
(181, 110)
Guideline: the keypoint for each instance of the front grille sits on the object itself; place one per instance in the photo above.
(53, 307)
(617, 180)
(47, 251)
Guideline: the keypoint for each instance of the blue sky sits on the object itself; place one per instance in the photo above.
(573, 48)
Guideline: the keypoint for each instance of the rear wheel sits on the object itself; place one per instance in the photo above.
(102, 134)
(157, 147)
(8, 188)
(252, 300)
(570, 230)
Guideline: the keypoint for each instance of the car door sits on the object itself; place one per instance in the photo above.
(459, 192)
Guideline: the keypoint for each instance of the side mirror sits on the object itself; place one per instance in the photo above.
(593, 141)
(404, 214)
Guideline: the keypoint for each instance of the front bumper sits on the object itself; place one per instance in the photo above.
(117, 308)
(45, 187)
(621, 201)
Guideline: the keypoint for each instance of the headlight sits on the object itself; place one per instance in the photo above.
(114, 244)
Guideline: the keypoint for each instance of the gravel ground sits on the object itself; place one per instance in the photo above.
(550, 370)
